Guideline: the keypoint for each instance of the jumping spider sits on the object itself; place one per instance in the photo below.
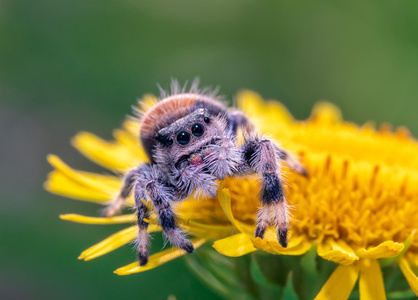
(191, 140)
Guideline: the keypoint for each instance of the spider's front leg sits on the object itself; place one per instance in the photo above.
(135, 179)
(162, 195)
(153, 183)
(260, 155)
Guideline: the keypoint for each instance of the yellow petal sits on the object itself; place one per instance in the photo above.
(157, 259)
(127, 140)
(105, 184)
(113, 242)
(112, 155)
(371, 280)
(94, 220)
(206, 230)
(336, 251)
(279, 112)
(340, 284)
(298, 245)
(385, 249)
(407, 243)
(225, 201)
(409, 274)
(263, 113)
(131, 125)
(326, 113)
(60, 184)
(250, 102)
(235, 245)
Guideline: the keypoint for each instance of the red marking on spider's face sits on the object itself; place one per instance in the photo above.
(195, 160)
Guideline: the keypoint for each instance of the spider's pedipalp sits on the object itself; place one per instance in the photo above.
(223, 157)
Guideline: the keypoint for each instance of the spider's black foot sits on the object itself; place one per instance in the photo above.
(282, 237)
(259, 231)
(143, 259)
(188, 247)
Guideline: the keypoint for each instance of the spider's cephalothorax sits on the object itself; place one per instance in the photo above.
(190, 139)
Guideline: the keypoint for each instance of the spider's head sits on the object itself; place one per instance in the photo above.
(190, 134)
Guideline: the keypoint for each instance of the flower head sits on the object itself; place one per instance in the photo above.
(358, 207)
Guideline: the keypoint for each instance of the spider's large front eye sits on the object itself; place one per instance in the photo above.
(183, 137)
(198, 129)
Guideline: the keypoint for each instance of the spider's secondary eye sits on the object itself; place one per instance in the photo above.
(183, 137)
(164, 140)
(198, 129)
(206, 119)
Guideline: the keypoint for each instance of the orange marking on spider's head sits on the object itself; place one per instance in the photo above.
(165, 111)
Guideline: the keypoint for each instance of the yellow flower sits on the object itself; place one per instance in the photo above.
(359, 206)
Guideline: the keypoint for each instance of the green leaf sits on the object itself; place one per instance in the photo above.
(208, 278)
(260, 279)
(407, 294)
(308, 262)
(289, 290)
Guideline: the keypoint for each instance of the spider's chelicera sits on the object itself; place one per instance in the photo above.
(191, 141)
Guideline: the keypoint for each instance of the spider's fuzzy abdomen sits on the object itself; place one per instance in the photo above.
(170, 109)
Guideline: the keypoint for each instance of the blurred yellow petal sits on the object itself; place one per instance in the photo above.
(326, 113)
(410, 276)
(111, 243)
(235, 245)
(279, 111)
(114, 241)
(131, 125)
(340, 284)
(157, 259)
(371, 281)
(250, 102)
(207, 230)
(101, 183)
(95, 220)
(225, 201)
(112, 155)
(59, 183)
(298, 245)
(127, 140)
(385, 249)
(336, 251)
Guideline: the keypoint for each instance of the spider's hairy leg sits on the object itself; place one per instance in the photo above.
(142, 213)
(291, 162)
(116, 205)
(162, 195)
(237, 119)
(261, 156)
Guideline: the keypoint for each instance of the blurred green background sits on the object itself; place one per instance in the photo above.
(67, 66)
